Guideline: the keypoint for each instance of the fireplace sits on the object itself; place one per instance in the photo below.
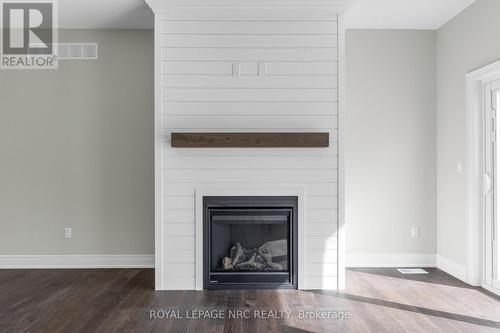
(249, 242)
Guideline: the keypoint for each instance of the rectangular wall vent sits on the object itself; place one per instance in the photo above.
(77, 51)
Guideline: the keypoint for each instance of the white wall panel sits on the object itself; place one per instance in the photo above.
(187, 189)
(250, 54)
(179, 257)
(319, 229)
(249, 95)
(233, 122)
(322, 216)
(208, 68)
(320, 269)
(250, 68)
(321, 243)
(178, 242)
(209, 81)
(178, 215)
(179, 229)
(297, 91)
(179, 283)
(261, 175)
(321, 282)
(243, 161)
(180, 270)
(254, 108)
(321, 256)
(321, 203)
(251, 27)
(249, 41)
(302, 68)
(250, 14)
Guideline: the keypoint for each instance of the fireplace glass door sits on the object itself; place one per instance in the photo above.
(249, 246)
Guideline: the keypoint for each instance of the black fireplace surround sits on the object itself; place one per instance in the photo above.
(249, 242)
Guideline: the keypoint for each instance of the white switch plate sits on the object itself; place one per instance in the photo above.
(414, 232)
(460, 166)
(67, 233)
(262, 69)
(236, 69)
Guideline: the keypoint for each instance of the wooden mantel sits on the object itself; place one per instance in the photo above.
(250, 140)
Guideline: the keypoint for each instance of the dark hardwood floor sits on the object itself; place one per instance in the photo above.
(121, 300)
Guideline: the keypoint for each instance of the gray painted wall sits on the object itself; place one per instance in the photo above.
(467, 42)
(390, 137)
(77, 150)
(77, 143)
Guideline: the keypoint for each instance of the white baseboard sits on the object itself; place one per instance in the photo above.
(147, 261)
(456, 270)
(76, 261)
(390, 260)
(491, 289)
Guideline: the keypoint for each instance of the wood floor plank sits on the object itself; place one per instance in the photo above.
(119, 300)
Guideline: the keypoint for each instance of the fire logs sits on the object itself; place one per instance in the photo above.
(257, 259)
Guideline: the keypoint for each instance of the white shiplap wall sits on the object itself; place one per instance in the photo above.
(296, 92)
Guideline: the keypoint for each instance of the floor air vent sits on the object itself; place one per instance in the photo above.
(412, 271)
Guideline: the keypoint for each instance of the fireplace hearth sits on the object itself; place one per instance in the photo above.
(250, 242)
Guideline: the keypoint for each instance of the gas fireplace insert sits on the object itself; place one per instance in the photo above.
(249, 242)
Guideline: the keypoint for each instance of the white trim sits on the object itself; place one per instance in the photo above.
(158, 147)
(390, 260)
(161, 6)
(474, 168)
(203, 192)
(76, 261)
(454, 269)
(488, 72)
(488, 195)
(491, 289)
(341, 233)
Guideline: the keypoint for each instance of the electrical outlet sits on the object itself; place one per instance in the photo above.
(67, 233)
(460, 167)
(414, 232)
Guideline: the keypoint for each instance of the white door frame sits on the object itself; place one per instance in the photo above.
(474, 169)
(491, 169)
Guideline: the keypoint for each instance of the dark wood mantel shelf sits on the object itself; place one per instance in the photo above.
(250, 140)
